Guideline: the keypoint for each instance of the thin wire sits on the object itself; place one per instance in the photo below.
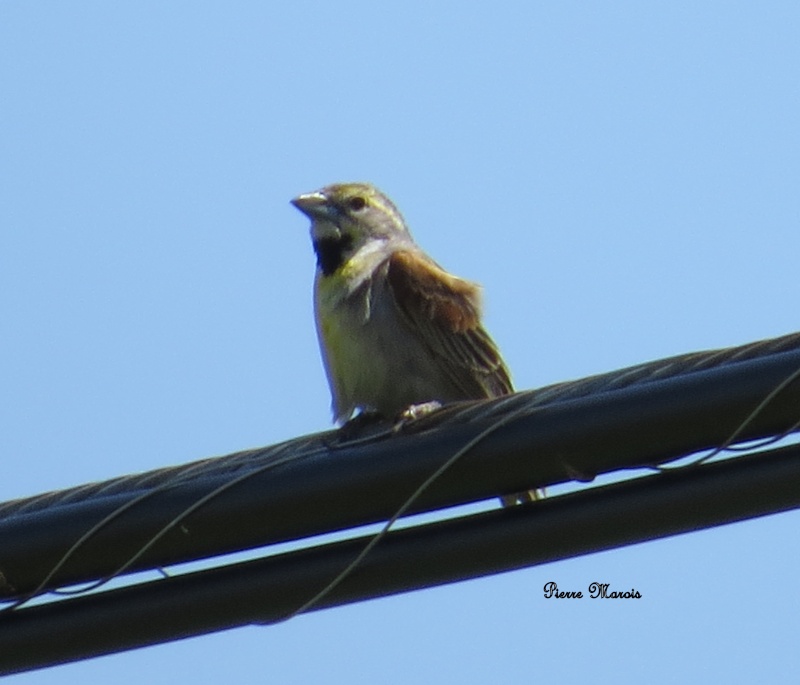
(728, 442)
(97, 527)
(182, 477)
(347, 570)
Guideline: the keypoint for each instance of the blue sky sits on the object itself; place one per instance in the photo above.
(621, 177)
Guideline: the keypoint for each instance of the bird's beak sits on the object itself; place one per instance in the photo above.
(313, 205)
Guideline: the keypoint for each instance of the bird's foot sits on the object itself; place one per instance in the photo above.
(414, 413)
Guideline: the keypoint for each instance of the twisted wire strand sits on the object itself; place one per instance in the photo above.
(240, 463)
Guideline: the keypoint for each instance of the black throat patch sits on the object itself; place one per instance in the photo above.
(330, 253)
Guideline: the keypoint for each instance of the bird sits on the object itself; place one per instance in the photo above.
(396, 331)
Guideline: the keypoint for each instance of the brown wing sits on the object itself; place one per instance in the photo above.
(445, 312)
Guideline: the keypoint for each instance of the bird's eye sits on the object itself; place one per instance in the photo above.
(357, 203)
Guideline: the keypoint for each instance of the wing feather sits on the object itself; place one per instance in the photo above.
(444, 311)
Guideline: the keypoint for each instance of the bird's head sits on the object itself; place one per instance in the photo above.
(346, 217)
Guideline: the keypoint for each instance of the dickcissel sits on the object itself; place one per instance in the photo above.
(395, 329)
